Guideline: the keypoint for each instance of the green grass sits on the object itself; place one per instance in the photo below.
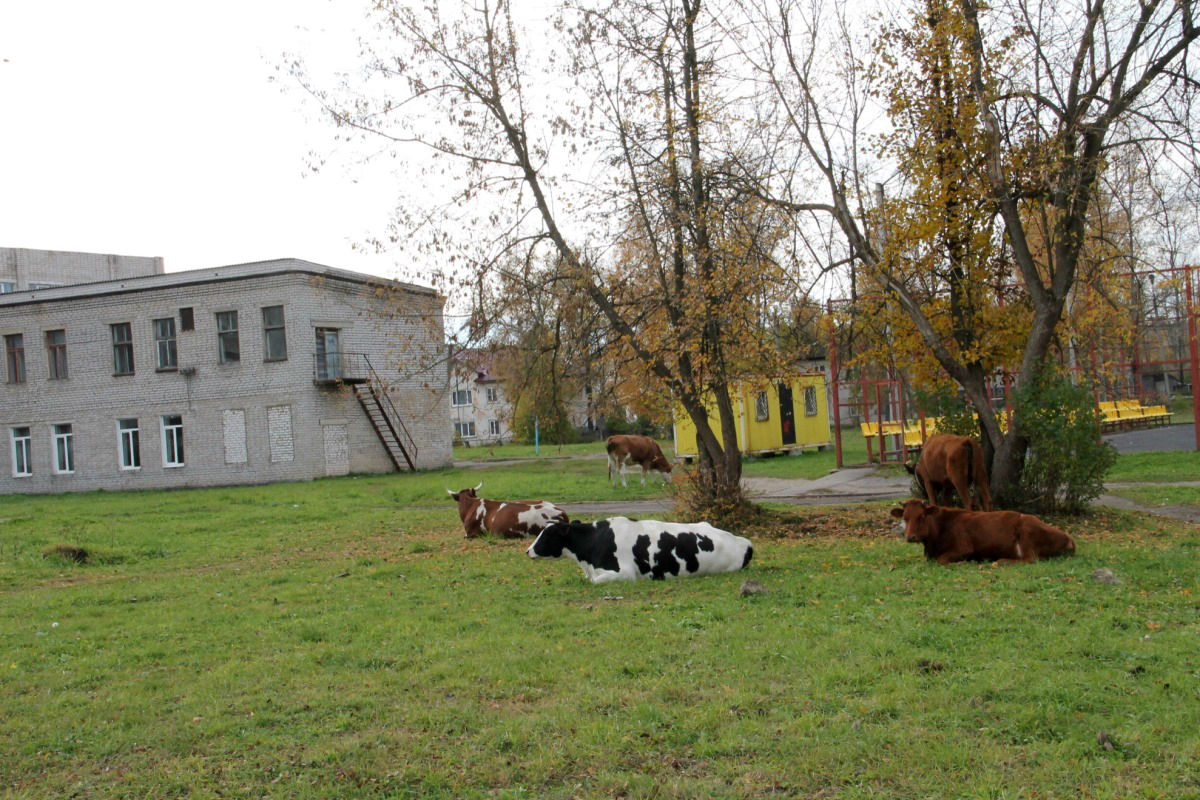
(1155, 467)
(341, 639)
(1160, 496)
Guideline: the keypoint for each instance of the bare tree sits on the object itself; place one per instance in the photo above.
(681, 261)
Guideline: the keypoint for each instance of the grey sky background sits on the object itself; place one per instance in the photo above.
(153, 128)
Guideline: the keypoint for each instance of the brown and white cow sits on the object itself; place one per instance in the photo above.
(953, 462)
(626, 449)
(511, 520)
(952, 534)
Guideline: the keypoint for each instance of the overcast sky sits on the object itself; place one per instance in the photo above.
(153, 128)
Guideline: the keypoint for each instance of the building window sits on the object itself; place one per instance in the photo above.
(493, 394)
(122, 341)
(7, 286)
(172, 440)
(187, 320)
(64, 449)
(810, 401)
(228, 350)
(14, 356)
(22, 455)
(34, 285)
(762, 408)
(464, 430)
(461, 397)
(494, 427)
(131, 443)
(56, 353)
(274, 334)
(164, 343)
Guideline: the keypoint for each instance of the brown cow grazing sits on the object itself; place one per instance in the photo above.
(510, 520)
(624, 449)
(953, 462)
(952, 534)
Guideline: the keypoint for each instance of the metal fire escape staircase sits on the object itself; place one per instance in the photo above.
(355, 370)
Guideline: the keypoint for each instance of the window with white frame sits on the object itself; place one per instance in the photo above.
(164, 343)
(461, 397)
(14, 357)
(228, 348)
(36, 285)
(130, 443)
(274, 334)
(172, 440)
(56, 354)
(762, 407)
(464, 430)
(493, 394)
(7, 286)
(493, 427)
(22, 452)
(122, 343)
(810, 401)
(64, 448)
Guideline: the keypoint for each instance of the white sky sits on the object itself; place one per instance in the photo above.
(152, 128)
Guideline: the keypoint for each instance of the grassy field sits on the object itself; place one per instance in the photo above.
(341, 639)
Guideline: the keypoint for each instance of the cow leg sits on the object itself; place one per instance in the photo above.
(643, 476)
(964, 491)
(985, 495)
(951, 557)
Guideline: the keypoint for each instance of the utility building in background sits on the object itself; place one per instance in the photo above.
(251, 373)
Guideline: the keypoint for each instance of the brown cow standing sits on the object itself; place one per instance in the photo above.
(630, 448)
(952, 534)
(507, 519)
(949, 461)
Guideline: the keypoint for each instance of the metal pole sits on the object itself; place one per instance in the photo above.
(1193, 347)
(837, 395)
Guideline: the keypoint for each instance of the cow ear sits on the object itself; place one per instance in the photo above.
(931, 509)
(897, 512)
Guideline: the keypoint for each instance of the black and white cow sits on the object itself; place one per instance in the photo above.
(624, 549)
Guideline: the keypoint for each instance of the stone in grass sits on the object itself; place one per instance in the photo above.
(752, 587)
(67, 552)
(1105, 576)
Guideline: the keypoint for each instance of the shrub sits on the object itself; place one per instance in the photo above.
(1067, 459)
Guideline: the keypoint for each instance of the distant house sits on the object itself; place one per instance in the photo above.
(480, 409)
(251, 373)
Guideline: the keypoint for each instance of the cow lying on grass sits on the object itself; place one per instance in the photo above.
(626, 449)
(510, 520)
(952, 462)
(952, 534)
(624, 549)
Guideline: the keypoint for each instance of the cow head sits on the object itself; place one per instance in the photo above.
(465, 494)
(553, 539)
(660, 463)
(918, 520)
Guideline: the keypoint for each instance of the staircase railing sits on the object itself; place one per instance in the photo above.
(392, 417)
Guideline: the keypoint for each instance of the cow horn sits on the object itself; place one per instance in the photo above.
(450, 493)
(477, 488)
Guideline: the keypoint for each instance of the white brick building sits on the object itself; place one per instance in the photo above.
(252, 373)
(22, 269)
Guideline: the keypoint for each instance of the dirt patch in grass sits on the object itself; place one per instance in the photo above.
(772, 522)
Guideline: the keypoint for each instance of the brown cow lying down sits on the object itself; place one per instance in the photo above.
(952, 534)
(510, 520)
(626, 449)
(953, 462)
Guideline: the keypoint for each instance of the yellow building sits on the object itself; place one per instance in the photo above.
(771, 417)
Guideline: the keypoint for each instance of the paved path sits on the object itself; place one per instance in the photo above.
(1154, 440)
